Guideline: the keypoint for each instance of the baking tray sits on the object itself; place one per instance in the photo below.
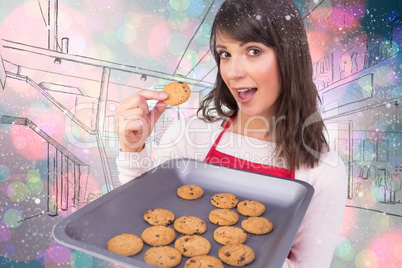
(121, 210)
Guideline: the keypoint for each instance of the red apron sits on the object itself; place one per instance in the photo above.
(216, 157)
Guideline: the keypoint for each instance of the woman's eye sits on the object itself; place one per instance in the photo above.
(254, 52)
(223, 54)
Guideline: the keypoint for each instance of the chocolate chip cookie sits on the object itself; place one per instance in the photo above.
(158, 235)
(230, 235)
(190, 225)
(224, 200)
(190, 192)
(250, 208)
(236, 254)
(257, 225)
(192, 245)
(125, 244)
(159, 216)
(163, 256)
(179, 92)
(223, 216)
(203, 261)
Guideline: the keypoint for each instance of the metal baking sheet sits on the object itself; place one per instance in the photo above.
(121, 210)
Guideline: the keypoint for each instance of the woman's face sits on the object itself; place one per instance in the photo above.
(251, 72)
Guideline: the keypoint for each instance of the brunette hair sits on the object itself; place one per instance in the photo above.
(278, 24)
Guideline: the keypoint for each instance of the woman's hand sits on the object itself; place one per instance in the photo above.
(134, 120)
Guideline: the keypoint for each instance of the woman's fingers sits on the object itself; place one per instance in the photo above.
(124, 118)
(137, 100)
(156, 112)
(134, 120)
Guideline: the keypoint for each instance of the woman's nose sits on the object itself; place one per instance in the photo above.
(235, 69)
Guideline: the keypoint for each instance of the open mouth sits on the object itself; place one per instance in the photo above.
(244, 95)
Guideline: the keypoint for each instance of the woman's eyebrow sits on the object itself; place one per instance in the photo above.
(220, 46)
(242, 44)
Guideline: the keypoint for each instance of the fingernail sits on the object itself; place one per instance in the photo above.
(164, 95)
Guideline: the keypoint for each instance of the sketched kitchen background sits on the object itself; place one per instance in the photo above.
(65, 65)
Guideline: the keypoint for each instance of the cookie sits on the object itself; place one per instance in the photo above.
(203, 261)
(125, 244)
(250, 208)
(190, 225)
(230, 235)
(190, 192)
(223, 216)
(224, 200)
(158, 235)
(192, 245)
(179, 92)
(257, 225)
(236, 254)
(163, 256)
(159, 216)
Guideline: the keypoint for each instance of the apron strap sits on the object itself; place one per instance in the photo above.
(215, 156)
(227, 125)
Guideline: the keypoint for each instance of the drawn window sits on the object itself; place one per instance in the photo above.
(357, 150)
(368, 151)
(348, 93)
(382, 151)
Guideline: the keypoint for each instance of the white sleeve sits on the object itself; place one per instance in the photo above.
(186, 138)
(132, 165)
(172, 145)
(316, 239)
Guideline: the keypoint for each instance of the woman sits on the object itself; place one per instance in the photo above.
(261, 115)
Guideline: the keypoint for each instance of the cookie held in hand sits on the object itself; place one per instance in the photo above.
(179, 92)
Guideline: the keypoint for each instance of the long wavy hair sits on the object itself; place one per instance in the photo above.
(299, 138)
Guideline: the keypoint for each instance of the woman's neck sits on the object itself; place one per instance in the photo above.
(258, 127)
